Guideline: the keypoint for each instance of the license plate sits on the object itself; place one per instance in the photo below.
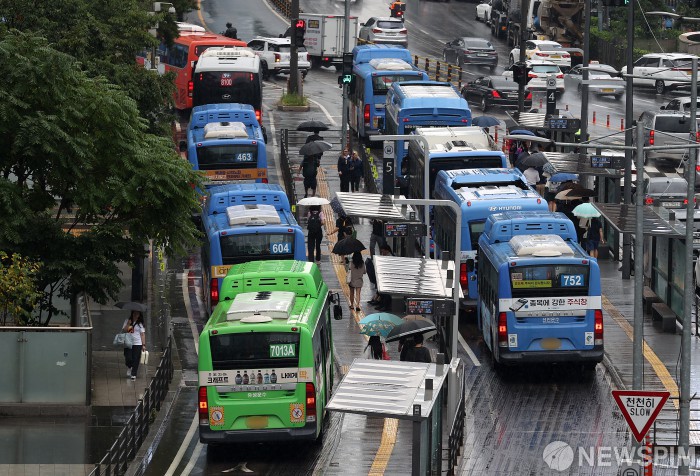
(390, 34)
(481, 54)
(555, 56)
(672, 204)
(608, 90)
(696, 241)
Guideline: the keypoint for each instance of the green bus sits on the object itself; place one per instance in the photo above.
(266, 355)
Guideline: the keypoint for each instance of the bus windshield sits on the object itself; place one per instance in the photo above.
(213, 87)
(552, 279)
(381, 84)
(240, 156)
(265, 349)
(239, 248)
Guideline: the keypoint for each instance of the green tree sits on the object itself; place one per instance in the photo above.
(73, 150)
(18, 291)
(105, 37)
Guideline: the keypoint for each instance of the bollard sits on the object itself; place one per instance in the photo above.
(415, 61)
(622, 124)
(593, 117)
(649, 461)
(427, 66)
(607, 121)
(495, 135)
(459, 79)
(437, 71)
(566, 107)
(449, 73)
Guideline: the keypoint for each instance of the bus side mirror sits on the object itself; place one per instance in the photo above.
(183, 146)
(470, 265)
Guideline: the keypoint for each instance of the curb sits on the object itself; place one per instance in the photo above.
(282, 107)
(612, 371)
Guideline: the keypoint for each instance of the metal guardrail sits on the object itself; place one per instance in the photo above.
(456, 437)
(287, 174)
(370, 170)
(665, 430)
(124, 449)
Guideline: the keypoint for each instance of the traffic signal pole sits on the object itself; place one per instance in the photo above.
(294, 55)
(627, 189)
(525, 12)
(346, 47)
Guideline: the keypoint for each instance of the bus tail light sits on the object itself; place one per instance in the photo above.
(463, 276)
(190, 88)
(598, 329)
(258, 115)
(310, 402)
(365, 115)
(203, 407)
(265, 180)
(502, 330)
(651, 137)
(214, 291)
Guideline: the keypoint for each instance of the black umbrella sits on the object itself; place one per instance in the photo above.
(348, 246)
(533, 160)
(485, 121)
(410, 328)
(315, 147)
(312, 126)
(131, 306)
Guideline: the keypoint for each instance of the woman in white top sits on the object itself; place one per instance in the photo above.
(134, 325)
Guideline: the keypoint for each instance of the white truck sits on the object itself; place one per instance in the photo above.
(324, 38)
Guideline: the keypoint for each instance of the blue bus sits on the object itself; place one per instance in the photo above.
(539, 292)
(246, 222)
(479, 193)
(413, 104)
(375, 68)
(226, 142)
(450, 148)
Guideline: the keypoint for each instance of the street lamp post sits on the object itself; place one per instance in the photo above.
(346, 47)
(157, 8)
(629, 117)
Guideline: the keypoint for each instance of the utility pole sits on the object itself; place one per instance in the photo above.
(684, 430)
(524, 14)
(586, 75)
(629, 118)
(346, 47)
(293, 54)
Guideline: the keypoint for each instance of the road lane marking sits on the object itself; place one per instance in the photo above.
(193, 459)
(325, 111)
(656, 363)
(468, 350)
(183, 447)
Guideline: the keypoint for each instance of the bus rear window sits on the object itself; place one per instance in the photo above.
(239, 248)
(254, 349)
(552, 279)
(215, 87)
(476, 228)
(382, 83)
(215, 157)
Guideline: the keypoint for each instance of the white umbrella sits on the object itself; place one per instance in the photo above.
(310, 201)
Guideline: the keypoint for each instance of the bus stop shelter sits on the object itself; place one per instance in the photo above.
(373, 205)
(403, 390)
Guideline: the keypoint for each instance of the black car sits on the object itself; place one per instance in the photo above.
(468, 50)
(494, 91)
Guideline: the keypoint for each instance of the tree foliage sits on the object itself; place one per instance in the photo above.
(74, 150)
(18, 291)
(105, 37)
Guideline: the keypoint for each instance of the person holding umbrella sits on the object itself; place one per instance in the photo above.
(135, 326)
(314, 224)
(356, 280)
(414, 350)
(343, 226)
(309, 169)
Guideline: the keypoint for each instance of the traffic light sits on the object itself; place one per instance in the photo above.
(346, 76)
(520, 73)
(299, 30)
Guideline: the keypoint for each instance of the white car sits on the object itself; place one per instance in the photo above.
(663, 71)
(538, 73)
(275, 55)
(383, 30)
(542, 50)
(483, 11)
(679, 104)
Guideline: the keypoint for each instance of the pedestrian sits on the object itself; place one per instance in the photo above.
(372, 276)
(309, 169)
(313, 137)
(524, 152)
(375, 347)
(355, 171)
(343, 226)
(135, 325)
(231, 32)
(128, 327)
(532, 176)
(377, 236)
(357, 272)
(344, 170)
(594, 237)
(416, 353)
(314, 224)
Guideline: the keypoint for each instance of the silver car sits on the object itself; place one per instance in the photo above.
(602, 82)
(383, 30)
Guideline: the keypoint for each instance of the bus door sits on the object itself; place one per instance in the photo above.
(469, 260)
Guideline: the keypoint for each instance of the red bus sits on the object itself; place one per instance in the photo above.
(182, 56)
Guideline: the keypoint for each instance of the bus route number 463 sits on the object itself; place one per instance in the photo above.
(280, 248)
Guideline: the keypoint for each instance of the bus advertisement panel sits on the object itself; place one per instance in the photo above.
(539, 300)
(228, 75)
(479, 193)
(266, 356)
(375, 69)
(246, 222)
(226, 142)
(414, 104)
(181, 57)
